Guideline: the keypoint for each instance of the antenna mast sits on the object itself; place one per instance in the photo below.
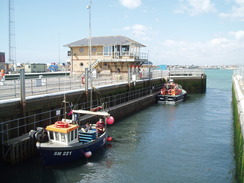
(12, 48)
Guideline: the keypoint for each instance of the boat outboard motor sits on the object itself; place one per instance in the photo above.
(40, 135)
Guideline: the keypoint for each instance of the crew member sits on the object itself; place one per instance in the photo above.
(100, 127)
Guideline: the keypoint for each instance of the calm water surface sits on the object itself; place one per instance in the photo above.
(188, 142)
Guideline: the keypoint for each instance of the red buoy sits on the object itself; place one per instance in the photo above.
(88, 154)
(109, 139)
(110, 120)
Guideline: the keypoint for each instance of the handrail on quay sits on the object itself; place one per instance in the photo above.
(40, 85)
(18, 127)
(43, 85)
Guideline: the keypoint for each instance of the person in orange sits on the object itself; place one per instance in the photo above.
(2, 74)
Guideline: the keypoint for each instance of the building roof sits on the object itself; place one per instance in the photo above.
(105, 41)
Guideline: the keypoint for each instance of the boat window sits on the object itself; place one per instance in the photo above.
(68, 136)
(72, 135)
(63, 137)
(51, 135)
(57, 136)
(76, 131)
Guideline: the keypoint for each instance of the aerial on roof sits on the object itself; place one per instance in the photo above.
(105, 40)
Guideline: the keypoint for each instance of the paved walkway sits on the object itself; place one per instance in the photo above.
(11, 89)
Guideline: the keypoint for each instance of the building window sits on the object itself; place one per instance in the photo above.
(125, 48)
(81, 50)
(94, 49)
(81, 64)
(107, 50)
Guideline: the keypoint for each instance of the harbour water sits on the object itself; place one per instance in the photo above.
(188, 142)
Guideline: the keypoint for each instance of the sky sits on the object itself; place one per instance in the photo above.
(175, 32)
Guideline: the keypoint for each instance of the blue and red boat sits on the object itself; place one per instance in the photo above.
(64, 142)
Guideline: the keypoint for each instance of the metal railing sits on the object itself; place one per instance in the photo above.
(10, 89)
(36, 86)
(239, 72)
(20, 126)
(121, 54)
(186, 72)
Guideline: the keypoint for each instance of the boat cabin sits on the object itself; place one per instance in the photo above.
(64, 135)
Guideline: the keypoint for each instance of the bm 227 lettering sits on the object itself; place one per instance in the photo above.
(64, 153)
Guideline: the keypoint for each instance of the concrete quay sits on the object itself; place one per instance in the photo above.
(238, 83)
(238, 114)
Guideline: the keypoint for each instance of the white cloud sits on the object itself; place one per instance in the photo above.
(131, 4)
(138, 30)
(216, 51)
(237, 11)
(218, 41)
(195, 7)
(240, 2)
(239, 35)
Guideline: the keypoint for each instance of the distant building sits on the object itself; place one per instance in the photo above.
(2, 57)
(109, 55)
(35, 67)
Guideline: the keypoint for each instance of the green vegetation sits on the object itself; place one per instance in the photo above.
(238, 141)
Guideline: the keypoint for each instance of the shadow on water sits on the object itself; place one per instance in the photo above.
(34, 171)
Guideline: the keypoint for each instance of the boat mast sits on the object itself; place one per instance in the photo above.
(64, 107)
(90, 49)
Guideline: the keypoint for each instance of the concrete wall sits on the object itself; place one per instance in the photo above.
(238, 108)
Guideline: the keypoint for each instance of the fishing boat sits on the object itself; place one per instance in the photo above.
(171, 93)
(65, 141)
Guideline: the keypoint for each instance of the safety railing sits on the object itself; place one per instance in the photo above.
(20, 126)
(186, 72)
(44, 85)
(239, 72)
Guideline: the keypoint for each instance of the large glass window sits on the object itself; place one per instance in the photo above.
(125, 48)
(107, 50)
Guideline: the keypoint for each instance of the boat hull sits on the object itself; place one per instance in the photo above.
(171, 99)
(53, 156)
